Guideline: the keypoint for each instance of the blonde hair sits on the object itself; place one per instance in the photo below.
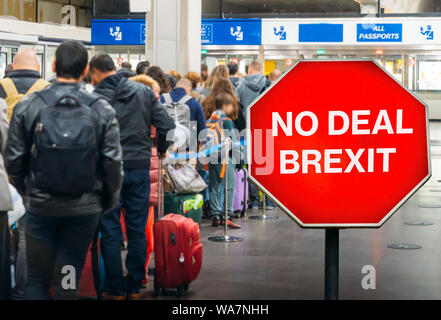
(221, 71)
(175, 74)
(194, 77)
(148, 81)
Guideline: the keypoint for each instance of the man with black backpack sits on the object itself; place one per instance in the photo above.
(64, 156)
(137, 109)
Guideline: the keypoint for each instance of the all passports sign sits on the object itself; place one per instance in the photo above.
(338, 144)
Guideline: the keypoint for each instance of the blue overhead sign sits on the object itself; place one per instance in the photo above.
(380, 32)
(231, 32)
(118, 32)
(320, 32)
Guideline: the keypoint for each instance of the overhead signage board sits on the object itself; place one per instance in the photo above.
(320, 32)
(277, 31)
(231, 32)
(379, 32)
(339, 31)
(118, 32)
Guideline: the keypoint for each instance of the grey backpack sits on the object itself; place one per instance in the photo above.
(179, 111)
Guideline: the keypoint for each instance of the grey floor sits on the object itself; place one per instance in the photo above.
(279, 260)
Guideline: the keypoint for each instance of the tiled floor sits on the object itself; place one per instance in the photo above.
(279, 260)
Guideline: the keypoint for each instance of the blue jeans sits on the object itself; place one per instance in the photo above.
(216, 189)
(53, 243)
(204, 193)
(135, 200)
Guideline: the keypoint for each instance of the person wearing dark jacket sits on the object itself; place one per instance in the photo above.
(137, 109)
(25, 72)
(183, 88)
(247, 91)
(60, 225)
(24, 79)
(126, 70)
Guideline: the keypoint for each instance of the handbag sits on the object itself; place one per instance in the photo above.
(186, 179)
(17, 202)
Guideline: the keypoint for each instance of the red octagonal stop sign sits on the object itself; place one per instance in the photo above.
(338, 143)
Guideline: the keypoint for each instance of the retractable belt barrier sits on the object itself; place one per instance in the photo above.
(203, 154)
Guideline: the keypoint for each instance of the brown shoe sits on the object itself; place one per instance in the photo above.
(134, 296)
(231, 224)
(108, 296)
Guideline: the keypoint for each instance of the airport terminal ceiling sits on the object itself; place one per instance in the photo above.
(316, 7)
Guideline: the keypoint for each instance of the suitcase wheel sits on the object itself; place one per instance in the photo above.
(186, 287)
(156, 292)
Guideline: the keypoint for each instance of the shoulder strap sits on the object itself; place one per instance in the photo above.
(9, 87)
(38, 85)
(185, 99)
(89, 99)
(167, 98)
(49, 98)
(267, 85)
(52, 99)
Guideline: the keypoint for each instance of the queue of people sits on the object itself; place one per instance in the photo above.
(78, 158)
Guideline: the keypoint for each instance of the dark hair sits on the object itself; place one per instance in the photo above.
(126, 65)
(70, 59)
(232, 68)
(172, 80)
(223, 99)
(102, 62)
(160, 77)
(142, 67)
(204, 71)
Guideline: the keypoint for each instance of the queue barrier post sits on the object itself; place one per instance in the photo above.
(225, 237)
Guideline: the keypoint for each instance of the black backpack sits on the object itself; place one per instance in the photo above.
(64, 154)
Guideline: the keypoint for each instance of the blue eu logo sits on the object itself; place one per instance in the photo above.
(280, 32)
(427, 32)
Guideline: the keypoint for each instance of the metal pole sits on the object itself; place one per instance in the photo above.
(331, 263)
(227, 149)
(263, 216)
(221, 9)
(226, 237)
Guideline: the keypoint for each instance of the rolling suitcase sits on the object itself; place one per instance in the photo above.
(178, 253)
(241, 192)
(92, 275)
(174, 203)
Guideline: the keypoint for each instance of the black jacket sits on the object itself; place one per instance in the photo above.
(137, 109)
(23, 80)
(126, 72)
(18, 161)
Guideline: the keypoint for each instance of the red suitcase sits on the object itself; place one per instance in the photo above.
(90, 276)
(178, 253)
